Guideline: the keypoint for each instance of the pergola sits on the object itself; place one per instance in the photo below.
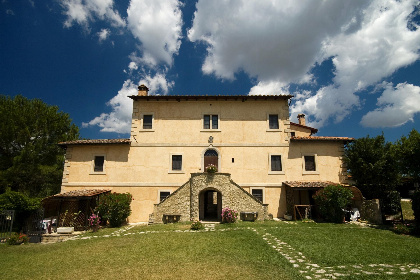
(72, 208)
(299, 201)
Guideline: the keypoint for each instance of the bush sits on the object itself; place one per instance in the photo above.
(21, 203)
(197, 225)
(391, 203)
(415, 204)
(17, 239)
(401, 229)
(331, 201)
(229, 215)
(114, 208)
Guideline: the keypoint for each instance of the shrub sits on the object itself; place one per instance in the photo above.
(415, 204)
(94, 222)
(331, 201)
(114, 208)
(401, 229)
(229, 215)
(21, 203)
(197, 225)
(17, 239)
(391, 203)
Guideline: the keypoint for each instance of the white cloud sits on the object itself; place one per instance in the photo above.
(104, 34)
(132, 66)
(396, 106)
(119, 120)
(381, 45)
(157, 84)
(270, 40)
(83, 11)
(269, 88)
(157, 24)
(279, 43)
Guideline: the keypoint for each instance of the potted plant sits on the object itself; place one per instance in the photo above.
(211, 168)
(72, 219)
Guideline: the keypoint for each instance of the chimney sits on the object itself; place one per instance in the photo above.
(301, 118)
(143, 90)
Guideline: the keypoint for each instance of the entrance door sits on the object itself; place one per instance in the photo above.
(210, 205)
(211, 157)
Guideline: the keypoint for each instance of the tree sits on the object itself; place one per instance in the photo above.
(30, 159)
(408, 155)
(372, 165)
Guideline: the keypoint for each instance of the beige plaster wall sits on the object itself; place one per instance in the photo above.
(144, 167)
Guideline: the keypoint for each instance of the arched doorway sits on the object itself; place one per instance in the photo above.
(211, 157)
(210, 203)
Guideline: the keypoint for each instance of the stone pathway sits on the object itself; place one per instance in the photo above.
(312, 270)
(306, 268)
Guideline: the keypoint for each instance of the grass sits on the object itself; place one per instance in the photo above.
(230, 252)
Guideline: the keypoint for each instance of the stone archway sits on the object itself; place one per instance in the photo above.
(210, 205)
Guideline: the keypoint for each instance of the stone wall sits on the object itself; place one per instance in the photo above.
(178, 203)
(185, 201)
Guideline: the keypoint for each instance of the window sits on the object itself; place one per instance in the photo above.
(147, 121)
(176, 162)
(292, 134)
(273, 121)
(163, 195)
(258, 194)
(99, 164)
(211, 122)
(310, 163)
(276, 163)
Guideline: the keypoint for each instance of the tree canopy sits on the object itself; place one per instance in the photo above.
(30, 159)
(408, 155)
(372, 165)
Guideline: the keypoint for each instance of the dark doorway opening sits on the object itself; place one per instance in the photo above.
(210, 205)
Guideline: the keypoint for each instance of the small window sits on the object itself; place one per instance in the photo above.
(147, 121)
(258, 193)
(163, 195)
(211, 122)
(310, 163)
(293, 134)
(99, 164)
(273, 121)
(276, 163)
(177, 162)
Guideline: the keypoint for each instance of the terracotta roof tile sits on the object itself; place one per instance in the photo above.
(305, 184)
(95, 142)
(78, 193)
(313, 130)
(321, 138)
(208, 97)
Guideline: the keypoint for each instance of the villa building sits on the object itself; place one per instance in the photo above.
(266, 164)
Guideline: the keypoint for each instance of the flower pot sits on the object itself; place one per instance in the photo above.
(67, 230)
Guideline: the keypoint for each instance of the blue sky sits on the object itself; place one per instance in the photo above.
(353, 66)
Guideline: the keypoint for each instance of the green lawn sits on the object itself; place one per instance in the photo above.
(266, 250)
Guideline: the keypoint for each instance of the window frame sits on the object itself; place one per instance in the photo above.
(272, 172)
(92, 169)
(161, 191)
(172, 171)
(142, 122)
(306, 172)
(211, 115)
(262, 195)
(278, 123)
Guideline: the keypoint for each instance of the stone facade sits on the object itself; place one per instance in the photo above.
(187, 201)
